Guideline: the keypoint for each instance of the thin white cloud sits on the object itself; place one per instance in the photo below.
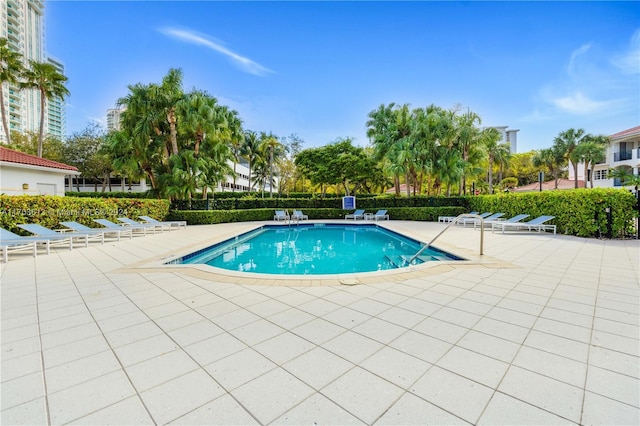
(579, 103)
(193, 37)
(629, 61)
(575, 55)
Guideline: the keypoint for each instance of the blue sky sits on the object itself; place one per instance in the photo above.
(318, 68)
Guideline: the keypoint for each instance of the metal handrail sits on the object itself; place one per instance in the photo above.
(453, 222)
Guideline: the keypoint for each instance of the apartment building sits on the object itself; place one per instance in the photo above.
(623, 152)
(509, 136)
(22, 24)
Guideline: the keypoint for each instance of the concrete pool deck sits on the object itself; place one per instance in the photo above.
(542, 329)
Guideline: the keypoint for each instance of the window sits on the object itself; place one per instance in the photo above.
(600, 174)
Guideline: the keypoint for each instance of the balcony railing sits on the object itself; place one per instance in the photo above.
(622, 155)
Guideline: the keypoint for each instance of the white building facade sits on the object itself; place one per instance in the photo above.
(24, 174)
(623, 152)
(509, 136)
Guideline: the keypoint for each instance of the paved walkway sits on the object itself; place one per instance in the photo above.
(542, 329)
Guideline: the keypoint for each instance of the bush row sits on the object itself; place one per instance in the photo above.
(50, 211)
(580, 212)
(378, 202)
(200, 217)
(119, 194)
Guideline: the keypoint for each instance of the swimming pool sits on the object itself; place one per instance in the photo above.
(312, 249)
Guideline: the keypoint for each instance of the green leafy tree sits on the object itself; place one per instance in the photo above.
(85, 150)
(11, 69)
(27, 142)
(46, 79)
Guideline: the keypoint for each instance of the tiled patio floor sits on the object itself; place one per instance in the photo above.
(542, 330)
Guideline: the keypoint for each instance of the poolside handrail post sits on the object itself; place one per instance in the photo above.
(453, 222)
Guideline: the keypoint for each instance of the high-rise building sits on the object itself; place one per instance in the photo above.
(508, 136)
(22, 24)
(113, 119)
(55, 124)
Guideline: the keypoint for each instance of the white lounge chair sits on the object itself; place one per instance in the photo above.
(466, 220)
(358, 214)
(379, 215)
(131, 222)
(83, 229)
(173, 223)
(517, 218)
(537, 224)
(281, 215)
(14, 242)
(56, 238)
(476, 222)
(111, 225)
(298, 215)
(448, 219)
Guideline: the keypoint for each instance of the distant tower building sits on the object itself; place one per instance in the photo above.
(56, 122)
(22, 24)
(508, 136)
(113, 119)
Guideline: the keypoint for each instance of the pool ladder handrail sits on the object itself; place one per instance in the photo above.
(453, 222)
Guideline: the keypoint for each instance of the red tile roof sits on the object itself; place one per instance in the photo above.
(12, 156)
(626, 132)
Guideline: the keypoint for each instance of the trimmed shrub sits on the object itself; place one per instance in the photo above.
(578, 212)
(201, 217)
(49, 211)
(145, 195)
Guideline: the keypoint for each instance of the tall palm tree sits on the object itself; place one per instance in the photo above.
(566, 142)
(490, 138)
(10, 71)
(467, 139)
(166, 96)
(235, 139)
(200, 117)
(273, 150)
(251, 151)
(46, 79)
(590, 152)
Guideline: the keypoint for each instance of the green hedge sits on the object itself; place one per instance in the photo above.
(378, 202)
(578, 212)
(200, 217)
(49, 211)
(121, 194)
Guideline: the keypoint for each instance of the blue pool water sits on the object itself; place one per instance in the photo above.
(313, 249)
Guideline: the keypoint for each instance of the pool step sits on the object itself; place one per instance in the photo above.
(403, 260)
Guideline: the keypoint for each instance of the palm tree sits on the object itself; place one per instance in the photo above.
(467, 140)
(567, 142)
(626, 176)
(50, 83)
(552, 159)
(10, 71)
(235, 139)
(272, 150)
(490, 138)
(198, 118)
(251, 151)
(590, 152)
(166, 96)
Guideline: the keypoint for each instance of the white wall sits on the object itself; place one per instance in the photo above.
(38, 180)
